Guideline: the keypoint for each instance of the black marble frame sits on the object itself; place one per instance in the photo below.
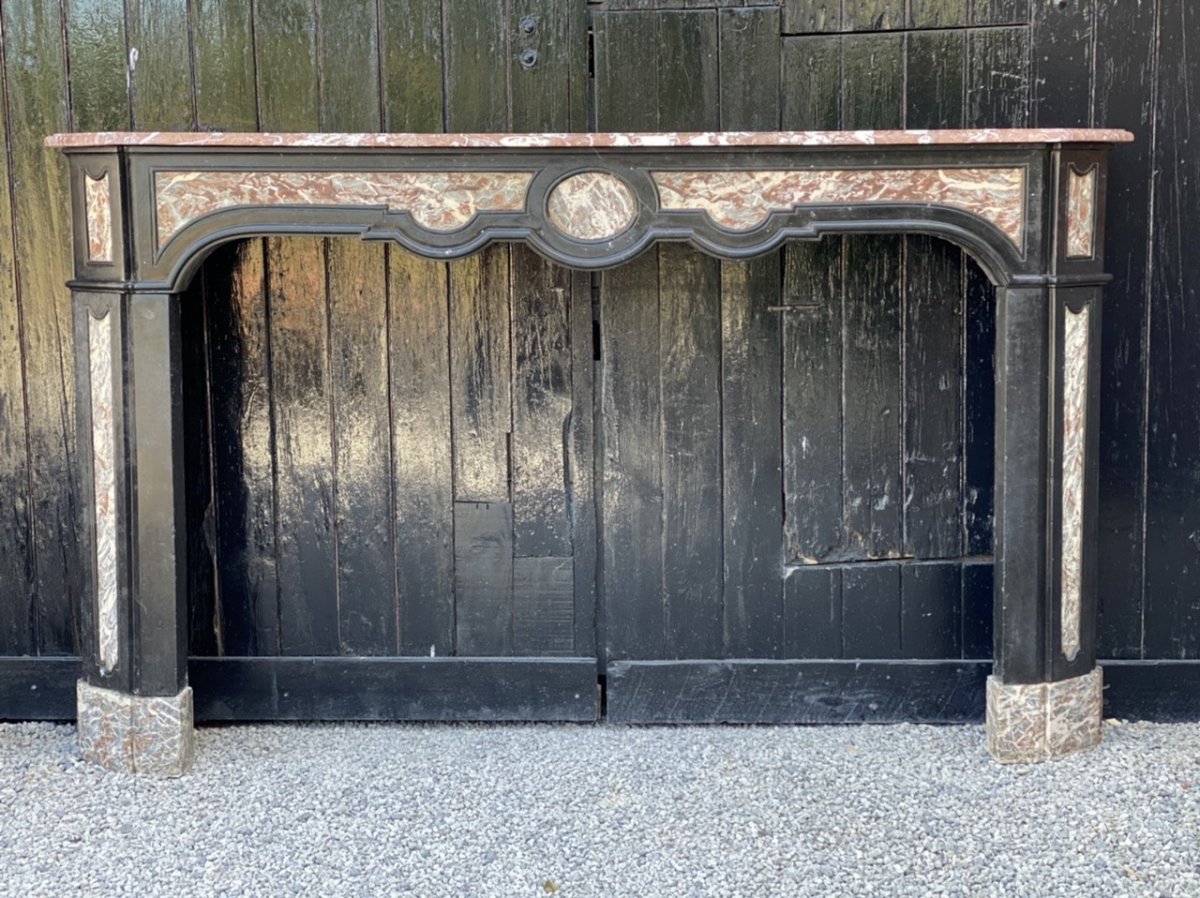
(1037, 283)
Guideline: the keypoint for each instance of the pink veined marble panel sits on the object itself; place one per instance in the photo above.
(591, 206)
(1081, 214)
(439, 201)
(98, 204)
(742, 200)
(1075, 393)
(104, 488)
(617, 139)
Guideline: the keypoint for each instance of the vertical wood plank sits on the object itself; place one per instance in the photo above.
(931, 600)
(1172, 617)
(690, 356)
(1125, 40)
(998, 77)
(543, 606)
(871, 400)
(223, 44)
(348, 43)
(304, 486)
(412, 50)
(541, 404)
(626, 53)
(979, 412)
(809, 16)
(582, 470)
(749, 50)
(285, 58)
(483, 578)
(812, 616)
(160, 65)
(872, 81)
(999, 12)
(937, 13)
(932, 399)
(752, 457)
(358, 316)
(872, 15)
(936, 83)
(871, 611)
(544, 47)
(1063, 64)
(97, 65)
(632, 498)
(243, 440)
(688, 97)
(476, 51)
(812, 78)
(812, 401)
(422, 479)
(34, 70)
(18, 613)
(977, 608)
(480, 370)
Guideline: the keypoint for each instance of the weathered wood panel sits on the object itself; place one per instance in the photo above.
(36, 89)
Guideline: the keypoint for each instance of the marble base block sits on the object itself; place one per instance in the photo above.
(135, 733)
(1032, 722)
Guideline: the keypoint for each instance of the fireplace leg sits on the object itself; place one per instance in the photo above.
(1045, 699)
(134, 704)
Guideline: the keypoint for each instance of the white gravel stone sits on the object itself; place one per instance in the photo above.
(573, 811)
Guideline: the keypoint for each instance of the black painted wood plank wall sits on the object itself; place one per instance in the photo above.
(793, 454)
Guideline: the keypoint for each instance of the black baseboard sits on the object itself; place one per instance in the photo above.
(797, 691)
(229, 689)
(38, 688)
(395, 688)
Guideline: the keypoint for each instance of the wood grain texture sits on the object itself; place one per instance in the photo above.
(1172, 611)
(160, 69)
(1125, 59)
(97, 59)
(631, 521)
(752, 458)
(827, 692)
(476, 49)
(689, 356)
(223, 48)
(412, 51)
(807, 16)
(937, 13)
(541, 404)
(35, 78)
(285, 57)
(422, 458)
(359, 382)
(304, 471)
(543, 606)
(481, 375)
(483, 578)
(243, 502)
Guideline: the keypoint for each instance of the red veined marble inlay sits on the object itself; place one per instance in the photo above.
(98, 205)
(742, 200)
(591, 206)
(1081, 213)
(438, 201)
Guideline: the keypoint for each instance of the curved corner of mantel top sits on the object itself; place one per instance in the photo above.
(589, 140)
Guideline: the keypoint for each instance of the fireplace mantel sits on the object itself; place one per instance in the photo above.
(148, 207)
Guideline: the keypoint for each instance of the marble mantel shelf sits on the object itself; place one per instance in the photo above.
(147, 208)
(608, 140)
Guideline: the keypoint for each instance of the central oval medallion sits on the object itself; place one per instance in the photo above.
(592, 205)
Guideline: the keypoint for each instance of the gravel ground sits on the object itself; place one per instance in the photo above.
(497, 811)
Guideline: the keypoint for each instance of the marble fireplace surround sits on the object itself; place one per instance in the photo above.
(148, 207)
